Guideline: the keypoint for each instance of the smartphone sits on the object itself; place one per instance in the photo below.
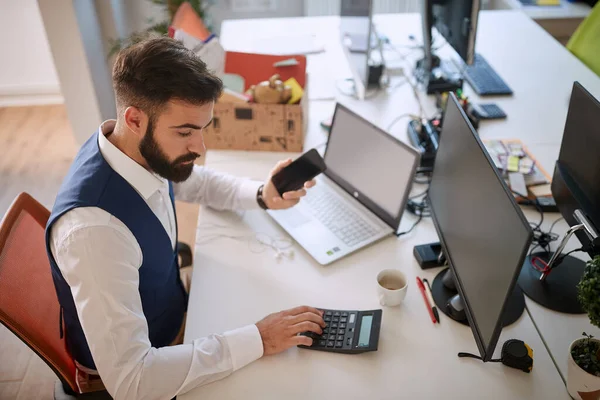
(302, 169)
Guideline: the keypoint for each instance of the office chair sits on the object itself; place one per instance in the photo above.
(584, 43)
(29, 306)
(184, 251)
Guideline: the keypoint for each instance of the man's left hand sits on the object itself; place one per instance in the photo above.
(289, 199)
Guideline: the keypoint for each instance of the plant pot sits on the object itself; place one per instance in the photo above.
(581, 384)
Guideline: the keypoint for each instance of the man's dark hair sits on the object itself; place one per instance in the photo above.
(154, 70)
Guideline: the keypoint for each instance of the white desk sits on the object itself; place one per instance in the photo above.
(559, 330)
(538, 69)
(415, 359)
(559, 21)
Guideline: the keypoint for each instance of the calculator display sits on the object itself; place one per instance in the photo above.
(365, 330)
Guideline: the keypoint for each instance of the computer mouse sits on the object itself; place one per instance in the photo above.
(448, 280)
(456, 308)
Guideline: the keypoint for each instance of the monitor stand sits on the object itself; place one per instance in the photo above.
(445, 295)
(558, 291)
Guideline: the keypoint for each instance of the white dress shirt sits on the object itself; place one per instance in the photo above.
(99, 258)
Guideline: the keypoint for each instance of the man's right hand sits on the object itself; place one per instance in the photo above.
(279, 331)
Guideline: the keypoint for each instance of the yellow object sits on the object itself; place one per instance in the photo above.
(513, 164)
(297, 91)
(530, 354)
(584, 43)
(548, 2)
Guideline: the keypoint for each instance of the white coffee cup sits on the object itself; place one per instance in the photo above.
(391, 287)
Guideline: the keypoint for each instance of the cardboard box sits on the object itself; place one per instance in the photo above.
(260, 127)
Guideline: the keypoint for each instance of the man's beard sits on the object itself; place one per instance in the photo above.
(174, 171)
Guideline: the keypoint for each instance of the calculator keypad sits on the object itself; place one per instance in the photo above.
(339, 332)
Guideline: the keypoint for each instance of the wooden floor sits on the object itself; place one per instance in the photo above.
(36, 150)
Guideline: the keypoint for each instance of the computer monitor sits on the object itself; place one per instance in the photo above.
(483, 232)
(576, 190)
(456, 21)
(356, 32)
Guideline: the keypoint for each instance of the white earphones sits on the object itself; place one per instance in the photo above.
(257, 242)
(289, 254)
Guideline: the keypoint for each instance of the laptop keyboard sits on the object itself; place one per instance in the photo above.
(331, 211)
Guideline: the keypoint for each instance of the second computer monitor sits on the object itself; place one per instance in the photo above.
(456, 21)
(357, 40)
(576, 181)
(576, 190)
(483, 232)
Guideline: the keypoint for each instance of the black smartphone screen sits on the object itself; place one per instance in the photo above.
(303, 169)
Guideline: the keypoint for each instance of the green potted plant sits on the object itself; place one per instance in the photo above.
(162, 27)
(583, 374)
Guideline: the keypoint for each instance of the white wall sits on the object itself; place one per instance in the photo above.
(27, 73)
(135, 15)
(236, 9)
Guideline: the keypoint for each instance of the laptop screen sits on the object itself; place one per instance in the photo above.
(370, 164)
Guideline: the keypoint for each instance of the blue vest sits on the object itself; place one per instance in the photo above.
(91, 182)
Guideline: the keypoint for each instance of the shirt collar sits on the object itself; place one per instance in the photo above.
(143, 181)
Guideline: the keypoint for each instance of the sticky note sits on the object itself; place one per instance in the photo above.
(526, 165)
(512, 164)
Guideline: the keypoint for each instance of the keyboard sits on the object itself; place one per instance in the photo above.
(349, 332)
(483, 79)
(327, 207)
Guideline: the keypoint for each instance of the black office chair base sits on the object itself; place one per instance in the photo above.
(559, 291)
(441, 295)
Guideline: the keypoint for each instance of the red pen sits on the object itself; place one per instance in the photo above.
(422, 289)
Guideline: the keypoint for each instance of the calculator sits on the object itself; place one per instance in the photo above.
(350, 332)
(488, 111)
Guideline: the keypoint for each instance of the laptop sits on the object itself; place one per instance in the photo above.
(361, 196)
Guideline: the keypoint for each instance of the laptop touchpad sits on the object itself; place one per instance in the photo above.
(292, 218)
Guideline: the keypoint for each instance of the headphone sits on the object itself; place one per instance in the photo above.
(280, 254)
(257, 242)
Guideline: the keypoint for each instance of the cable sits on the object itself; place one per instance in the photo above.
(426, 173)
(257, 242)
(554, 223)
(418, 208)
(410, 71)
(412, 227)
(369, 94)
(477, 357)
(398, 118)
(415, 92)
(420, 194)
(544, 240)
(563, 256)
(540, 239)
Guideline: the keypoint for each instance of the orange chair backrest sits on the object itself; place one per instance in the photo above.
(28, 303)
